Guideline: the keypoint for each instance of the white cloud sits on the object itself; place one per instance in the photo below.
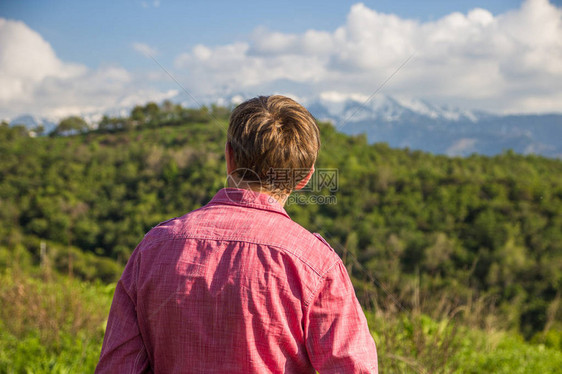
(34, 80)
(144, 49)
(511, 62)
(26, 59)
(338, 97)
(463, 146)
(148, 4)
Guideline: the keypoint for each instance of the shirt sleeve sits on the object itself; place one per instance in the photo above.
(123, 350)
(337, 336)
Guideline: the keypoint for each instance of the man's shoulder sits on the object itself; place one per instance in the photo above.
(263, 228)
(298, 242)
(325, 256)
(164, 230)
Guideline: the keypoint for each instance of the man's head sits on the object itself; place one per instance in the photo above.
(274, 142)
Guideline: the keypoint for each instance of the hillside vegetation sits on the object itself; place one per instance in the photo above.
(450, 257)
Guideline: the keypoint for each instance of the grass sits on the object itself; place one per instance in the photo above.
(417, 343)
(51, 325)
(56, 324)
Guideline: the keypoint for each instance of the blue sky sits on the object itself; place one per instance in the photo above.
(462, 57)
(101, 32)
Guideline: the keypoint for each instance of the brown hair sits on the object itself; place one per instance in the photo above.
(274, 137)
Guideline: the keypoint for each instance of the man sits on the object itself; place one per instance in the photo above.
(236, 286)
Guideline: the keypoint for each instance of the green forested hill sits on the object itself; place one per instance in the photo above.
(418, 232)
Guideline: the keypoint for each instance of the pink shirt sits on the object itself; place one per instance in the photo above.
(236, 287)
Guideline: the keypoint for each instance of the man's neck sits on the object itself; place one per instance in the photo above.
(281, 198)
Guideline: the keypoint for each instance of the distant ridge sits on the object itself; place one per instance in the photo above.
(419, 125)
(34, 122)
(411, 123)
(443, 130)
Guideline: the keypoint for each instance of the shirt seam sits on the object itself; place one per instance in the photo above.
(249, 205)
(127, 292)
(236, 239)
(322, 279)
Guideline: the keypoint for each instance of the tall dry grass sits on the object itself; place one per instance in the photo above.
(420, 333)
(51, 306)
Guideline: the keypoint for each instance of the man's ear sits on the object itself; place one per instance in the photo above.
(305, 180)
(229, 155)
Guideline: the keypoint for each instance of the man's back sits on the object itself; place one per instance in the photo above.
(237, 287)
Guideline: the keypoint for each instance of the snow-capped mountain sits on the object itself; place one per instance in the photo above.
(384, 108)
(417, 124)
(47, 125)
(34, 123)
(401, 123)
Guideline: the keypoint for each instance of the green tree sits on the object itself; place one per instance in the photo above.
(71, 125)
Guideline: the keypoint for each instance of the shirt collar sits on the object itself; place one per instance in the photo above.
(243, 197)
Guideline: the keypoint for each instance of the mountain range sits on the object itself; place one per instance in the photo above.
(416, 124)
(413, 124)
